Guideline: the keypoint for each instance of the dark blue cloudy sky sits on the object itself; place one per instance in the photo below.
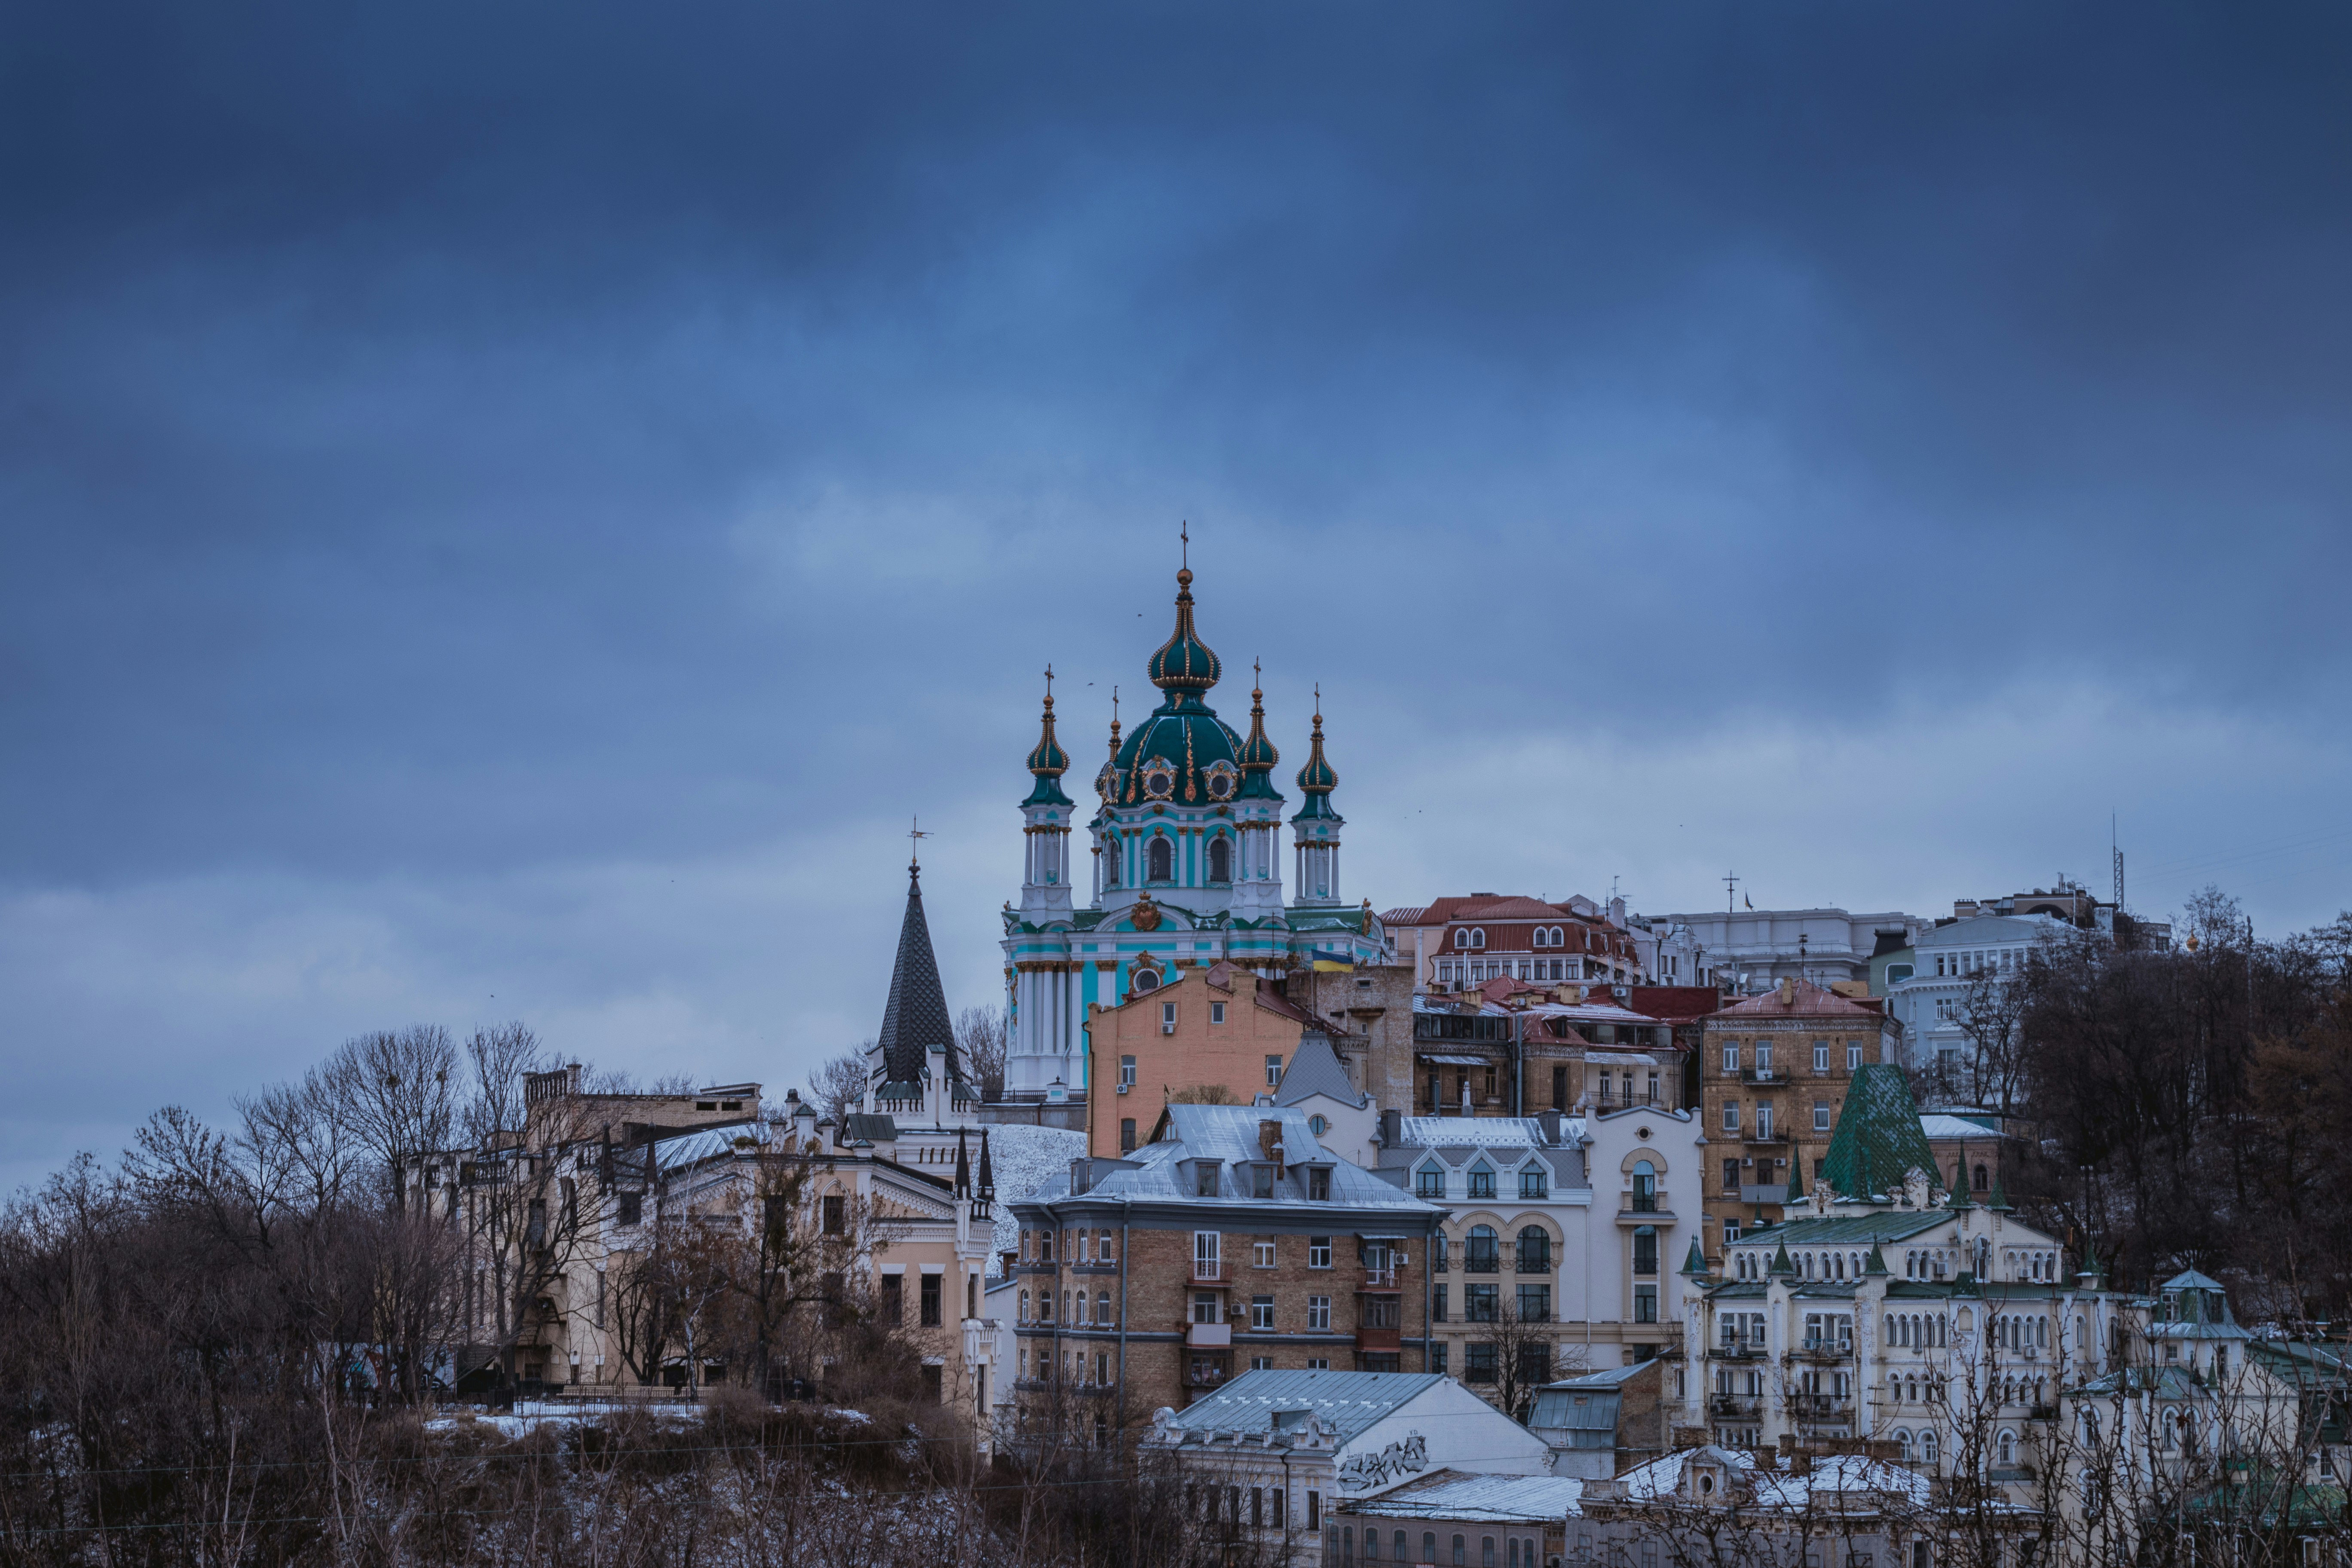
(507, 511)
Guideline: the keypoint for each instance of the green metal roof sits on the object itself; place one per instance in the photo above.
(1877, 1142)
(1838, 1230)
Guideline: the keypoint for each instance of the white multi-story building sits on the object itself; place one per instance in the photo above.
(1931, 1004)
(1751, 951)
(1567, 1225)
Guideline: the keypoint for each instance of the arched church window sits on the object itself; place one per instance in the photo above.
(1160, 861)
(1221, 859)
(1110, 862)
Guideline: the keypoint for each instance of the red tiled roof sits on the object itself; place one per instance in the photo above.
(1806, 1000)
(1677, 1002)
(1410, 915)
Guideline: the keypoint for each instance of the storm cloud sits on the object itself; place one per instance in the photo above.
(509, 512)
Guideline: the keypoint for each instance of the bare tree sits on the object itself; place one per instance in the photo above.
(1992, 1015)
(981, 1041)
(840, 1085)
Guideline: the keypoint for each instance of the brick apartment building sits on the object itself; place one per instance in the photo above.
(1230, 1241)
(1773, 1073)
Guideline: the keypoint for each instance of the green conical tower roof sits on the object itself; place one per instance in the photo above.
(1874, 1264)
(1878, 1142)
(1960, 1198)
(1796, 1179)
(1695, 1264)
(1781, 1262)
(1999, 1198)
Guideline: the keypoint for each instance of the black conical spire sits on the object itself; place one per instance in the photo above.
(964, 1167)
(987, 1171)
(916, 1018)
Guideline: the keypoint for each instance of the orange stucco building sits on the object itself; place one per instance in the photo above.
(1220, 1027)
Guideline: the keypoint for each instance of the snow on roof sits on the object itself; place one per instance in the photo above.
(1349, 1403)
(1936, 1124)
(1022, 1160)
(1498, 1500)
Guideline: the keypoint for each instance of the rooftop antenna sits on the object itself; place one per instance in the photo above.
(1184, 545)
(2116, 848)
(915, 832)
(1730, 893)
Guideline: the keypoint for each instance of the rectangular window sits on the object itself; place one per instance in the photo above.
(1216, 1012)
(1535, 1303)
(1764, 1120)
(1318, 1311)
(1437, 1305)
(1319, 1363)
(1318, 1252)
(1478, 1363)
(1479, 1302)
(1204, 1180)
(1559, 1088)
(1731, 1055)
(1314, 1505)
(1261, 1181)
(1820, 1116)
(1763, 1056)
(1126, 1072)
(1853, 1055)
(1207, 1252)
(1262, 1313)
(1168, 1017)
(1731, 1174)
(1127, 1134)
(835, 1215)
(1482, 1183)
(1261, 1253)
(1204, 1307)
(1437, 1357)
(1429, 1184)
(893, 1308)
(1318, 1184)
(1820, 1056)
(1645, 1303)
(1261, 1363)
(1731, 1116)
(932, 1301)
(1274, 1072)
(1532, 1184)
(632, 1208)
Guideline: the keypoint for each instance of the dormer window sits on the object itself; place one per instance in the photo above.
(1477, 936)
(1261, 1181)
(1204, 1183)
(1461, 938)
(1318, 1184)
(1429, 1182)
(1482, 1182)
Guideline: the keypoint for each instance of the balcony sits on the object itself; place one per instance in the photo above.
(1761, 1075)
(1210, 1272)
(1740, 1350)
(1735, 1405)
(1380, 1279)
(1769, 1135)
(1821, 1407)
(1368, 1338)
(1218, 1334)
(1814, 1349)
(1199, 1376)
(1651, 1215)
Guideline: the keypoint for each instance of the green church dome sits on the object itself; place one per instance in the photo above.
(1181, 752)
(1048, 762)
(1184, 663)
(1316, 780)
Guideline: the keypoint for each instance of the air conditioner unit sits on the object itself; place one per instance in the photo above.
(1125, 1087)
(1167, 1028)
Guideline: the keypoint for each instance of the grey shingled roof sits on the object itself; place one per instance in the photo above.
(1228, 1133)
(915, 1019)
(1315, 1069)
(1349, 1403)
(1485, 1500)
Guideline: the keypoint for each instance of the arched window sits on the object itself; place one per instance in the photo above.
(1429, 1546)
(1645, 1187)
(1534, 1250)
(1024, 1305)
(1160, 861)
(1485, 1551)
(1928, 1447)
(1110, 861)
(1903, 1445)
(1461, 940)
(1221, 859)
(1983, 1182)
(1397, 1545)
(1483, 1251)
(1461, 1553)
(1478, 936)
(2006, 1448)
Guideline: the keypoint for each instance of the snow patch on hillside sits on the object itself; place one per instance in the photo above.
(1023, 1160)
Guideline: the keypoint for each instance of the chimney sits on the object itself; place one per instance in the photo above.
(1549, 1117)
(1269, 1138)
(1392, 1129)
(1787, 992)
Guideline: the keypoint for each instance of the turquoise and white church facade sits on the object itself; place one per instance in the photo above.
(1187, 864)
